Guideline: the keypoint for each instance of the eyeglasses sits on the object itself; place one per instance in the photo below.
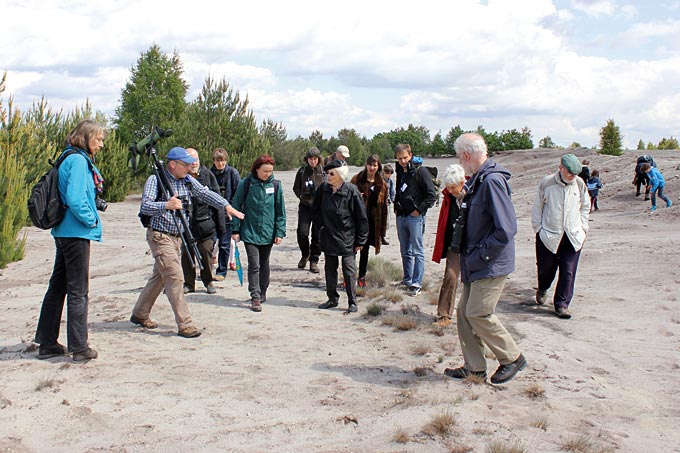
(332, 173)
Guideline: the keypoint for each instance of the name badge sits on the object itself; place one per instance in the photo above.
(269, 190)
(403, 187)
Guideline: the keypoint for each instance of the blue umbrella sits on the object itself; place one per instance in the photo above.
(239, 269)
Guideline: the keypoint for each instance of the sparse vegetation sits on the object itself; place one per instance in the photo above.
(375, 309)
(500, 446)
(381, 272)
(420, 371)
(441, 424)
(421, 349)
(401, 436)
(540, 423)
(461, 449)
(535, 391)
(578, 444)
(46, 383)
(400, 322)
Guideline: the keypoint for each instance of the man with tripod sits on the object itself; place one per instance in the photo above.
(165, 241)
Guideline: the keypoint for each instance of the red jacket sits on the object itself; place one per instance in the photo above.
(439, 245)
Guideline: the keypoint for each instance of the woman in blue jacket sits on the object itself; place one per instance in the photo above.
(79, 183)
(260, 198)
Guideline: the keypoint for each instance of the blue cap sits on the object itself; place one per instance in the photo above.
(179, 153)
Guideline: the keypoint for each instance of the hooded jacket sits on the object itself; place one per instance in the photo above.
(307, 180)
(491, 226)
(415, 189)
(264, 209)
(561, 208)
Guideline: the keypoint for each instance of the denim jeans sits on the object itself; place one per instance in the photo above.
(70, 279)
(659, 192)
(410, 231)
(223, 255)
(258, 270)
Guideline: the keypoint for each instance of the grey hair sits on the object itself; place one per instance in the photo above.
(472, 143)
(453, 175)
(343, 172)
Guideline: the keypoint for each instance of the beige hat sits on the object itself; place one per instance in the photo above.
(342, 149)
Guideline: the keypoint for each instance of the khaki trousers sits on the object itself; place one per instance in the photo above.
(478, 324)
(447, 293)
(167, 274)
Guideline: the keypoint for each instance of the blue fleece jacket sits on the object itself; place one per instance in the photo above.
(78, 193)
(656, 179)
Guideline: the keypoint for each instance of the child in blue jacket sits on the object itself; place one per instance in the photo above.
(657, 183)
(594, 185)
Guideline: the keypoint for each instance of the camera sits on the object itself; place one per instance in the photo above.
(101, 204)
(308, 187)
(186, 203)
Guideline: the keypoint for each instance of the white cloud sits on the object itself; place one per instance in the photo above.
(595, 8)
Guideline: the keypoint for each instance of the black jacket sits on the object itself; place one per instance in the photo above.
(206, 220)
(342, 219)
(227, 180)
(307, 180)
(418, 192)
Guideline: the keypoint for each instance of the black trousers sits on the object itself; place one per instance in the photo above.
(205, 248)
(548, 264)
(349, 269)
(258, 270)
(309, 249)
(70, 280)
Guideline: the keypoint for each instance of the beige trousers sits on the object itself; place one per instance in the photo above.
(167, 274)
(478, 324)
(447, 293)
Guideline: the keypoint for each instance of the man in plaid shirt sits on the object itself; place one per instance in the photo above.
(165, 242)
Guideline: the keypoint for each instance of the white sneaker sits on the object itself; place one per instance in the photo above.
(413, 291)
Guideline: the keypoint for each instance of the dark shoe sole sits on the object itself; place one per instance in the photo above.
(454, 373)
(563, 315)
(85, 356)
(51, 351)
(326, 306)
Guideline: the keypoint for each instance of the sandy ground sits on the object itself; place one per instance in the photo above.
(295, 378)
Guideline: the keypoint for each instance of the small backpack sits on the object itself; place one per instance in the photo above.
(45, 207)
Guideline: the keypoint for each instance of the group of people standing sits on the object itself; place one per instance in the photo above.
(647, 174)
(475, 234)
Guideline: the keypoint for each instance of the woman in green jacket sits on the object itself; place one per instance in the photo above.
(260, 198)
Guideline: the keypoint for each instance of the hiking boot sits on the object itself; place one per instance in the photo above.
(53, 350)
(443, 322)
(219, 277)
(302, 263)
(506, 372)
(189, 332)
(652, 209)
(314, 268)
(255, 305)
(462, 373)
(148, 323)
(540, 297)
(647, 199)
(562, 313)
(85, 356)
(328, 304)
(210, 289)
(385, 241)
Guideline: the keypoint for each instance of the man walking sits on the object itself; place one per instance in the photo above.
(487, 258)
(559, 218)
(415, 195)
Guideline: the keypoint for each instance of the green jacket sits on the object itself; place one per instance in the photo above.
(264, 209)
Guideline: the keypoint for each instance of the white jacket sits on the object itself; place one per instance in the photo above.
(561, 208)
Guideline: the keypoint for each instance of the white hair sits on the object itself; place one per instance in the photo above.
(472, 143)
(453, 175)
(343, 172)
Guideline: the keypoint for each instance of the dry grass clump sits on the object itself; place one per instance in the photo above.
(500, 446)
(421, 371)
(375, 309)
(47, 383)
(381, 272)
(437, 331)
(535, 392)
(421, 349)
(474, 379)
(405, 398)
(441, 424)
(540, 423)
(578, 444)
(461, 449)
(401, 436)
(400, 322)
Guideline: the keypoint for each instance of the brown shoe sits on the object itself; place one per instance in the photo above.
(218, 277)
(443, 322)
(540, 297)
(189, 332)
(313, 268)
(148, 323)
(255, 305)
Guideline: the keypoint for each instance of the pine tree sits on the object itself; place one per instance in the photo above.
(611, 139)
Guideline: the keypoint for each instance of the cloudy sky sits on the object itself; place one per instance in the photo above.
(561, 67)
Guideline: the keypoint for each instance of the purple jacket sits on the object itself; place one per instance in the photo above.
(491, 226)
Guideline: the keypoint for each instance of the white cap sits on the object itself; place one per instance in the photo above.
(342, 149)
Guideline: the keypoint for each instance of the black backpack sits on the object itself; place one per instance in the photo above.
(45, 207)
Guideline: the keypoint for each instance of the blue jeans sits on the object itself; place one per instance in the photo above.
(223, 255)
(410, 231)
(659, 192)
